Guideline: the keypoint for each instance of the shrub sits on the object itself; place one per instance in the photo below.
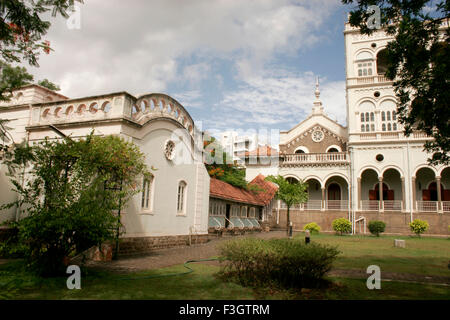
(376, 227)
(288, 263)
(312, 227)
(419, 226)
(342, 225)
(70, 196)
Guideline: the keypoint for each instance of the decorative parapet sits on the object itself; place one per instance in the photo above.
(115, 106)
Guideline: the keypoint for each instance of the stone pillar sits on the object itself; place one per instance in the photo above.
(358, 192)
(439, 195)
(323, 198)
(403, 194)
(380, 192)
(413, 188)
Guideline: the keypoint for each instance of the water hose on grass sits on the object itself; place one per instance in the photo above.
(171, 274)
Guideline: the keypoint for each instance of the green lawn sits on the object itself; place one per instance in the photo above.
(426, 256)
(423, 256)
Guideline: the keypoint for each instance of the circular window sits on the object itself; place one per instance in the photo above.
(379, 157)
(374, 45)
(376, 94)
(169, 149)
(317, 136)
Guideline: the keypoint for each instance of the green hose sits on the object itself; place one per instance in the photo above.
(172, 274)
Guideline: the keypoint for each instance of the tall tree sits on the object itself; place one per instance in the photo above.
(22, 28)
(418, 61)
(290, 193)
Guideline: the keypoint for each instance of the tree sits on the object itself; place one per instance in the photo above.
(22, 28)
(11, 78)
(418, 61)
(290, 193)
(220, 165)
(71, 192)
(49, 85)
(15, 77)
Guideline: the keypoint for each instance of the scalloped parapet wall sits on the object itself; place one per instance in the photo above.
(114, 106)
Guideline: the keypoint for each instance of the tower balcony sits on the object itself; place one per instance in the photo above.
(308, 159)
(362, 81)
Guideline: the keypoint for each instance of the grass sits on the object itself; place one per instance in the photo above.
(426, 256)
(422, 256)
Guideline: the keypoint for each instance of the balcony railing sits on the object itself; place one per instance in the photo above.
(367, 80)
(370, 205)
(318, 205)
(340, 205)
(446, 206)
(310, 158)
(427, 206)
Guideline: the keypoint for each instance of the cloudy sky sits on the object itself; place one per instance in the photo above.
(232, 64)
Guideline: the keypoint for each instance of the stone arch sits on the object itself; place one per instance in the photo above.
(381, 61)
(368, 167)
(423, 166)
(301, 148)
(393, 167)
(338, 148)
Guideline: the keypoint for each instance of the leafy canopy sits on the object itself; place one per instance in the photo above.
(69, 192)
(289, 193)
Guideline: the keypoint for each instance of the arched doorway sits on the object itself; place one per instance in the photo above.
(387, 194)
(291, 180)
(431, 193)
(334, 192)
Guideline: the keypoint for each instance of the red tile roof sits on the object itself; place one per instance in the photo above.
(262, 151)
(269, 188)
(222, 190)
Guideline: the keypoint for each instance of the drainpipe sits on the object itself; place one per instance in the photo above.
(411, 205)
(351, 208)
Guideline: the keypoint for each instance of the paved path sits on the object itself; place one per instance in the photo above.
(160, 258)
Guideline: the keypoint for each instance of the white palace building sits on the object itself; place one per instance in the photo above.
(368, 170)
(365, 171)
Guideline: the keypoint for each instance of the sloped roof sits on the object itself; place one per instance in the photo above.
(222, 190)
(269, 189)
(262, 151)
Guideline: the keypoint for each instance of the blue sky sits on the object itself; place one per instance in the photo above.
(234, 65)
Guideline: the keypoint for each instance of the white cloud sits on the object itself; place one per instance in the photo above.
(279, 101)
(136, 45)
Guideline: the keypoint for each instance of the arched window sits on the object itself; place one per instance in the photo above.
(146, 194)
(383, 116)
(299, 151)
(389, 127)
(382, 62)
(363, 128)
(181, 199)
(362, 117)
(394, 126)
(333, 150)
(383, 127)
(364, 64)
(394, 115)
(367, 128)
(372, 116)
(367, 117)
(388, 116)
(244, 212)
(372, 127)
